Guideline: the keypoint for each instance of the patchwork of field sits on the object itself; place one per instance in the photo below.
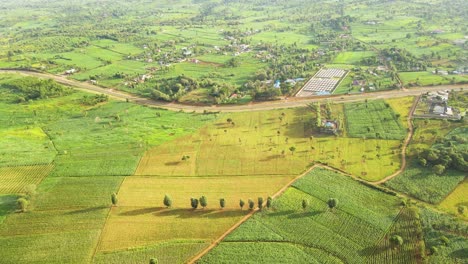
(137, 220)
(259, 143)
(316, 234)
(15, 179)
(373, 119)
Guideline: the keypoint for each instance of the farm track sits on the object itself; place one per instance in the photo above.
(405, 144)
(257, 106)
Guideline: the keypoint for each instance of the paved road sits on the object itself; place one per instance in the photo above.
(258, 106)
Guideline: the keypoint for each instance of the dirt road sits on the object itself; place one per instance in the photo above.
(257, 106)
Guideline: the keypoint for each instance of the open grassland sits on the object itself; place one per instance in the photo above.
(165, 252)
(148, 191)
(14, 179)
(259, 144)
(373, 119)
(456, 199)
(401, 106)
(317, 234)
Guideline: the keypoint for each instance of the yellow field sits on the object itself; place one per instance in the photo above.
(149, 191)
(401, 106)
(14, 179)
(253, 146)
(457, 198)
(130, 227)
(140, 218)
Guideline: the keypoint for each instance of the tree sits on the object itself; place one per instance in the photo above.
(22, 204)
(185, 157)
(444, 240)
(167, 201)
(251, 204)
(114, 199)
(461, 209)
(438, 169)
(30, 190)
(305, 204)
(260, 203)
(332, 203)
(396, 241)
(433, 250)
(269, 202)
(203, 201)
(229, 120)
(241, 203)
(153, 261)
(194, 203)
(222, 203)
(292, 149)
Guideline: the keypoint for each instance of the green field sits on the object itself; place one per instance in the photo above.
(373, 119)
(288, 233)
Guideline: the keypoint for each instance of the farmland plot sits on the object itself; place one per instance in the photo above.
(14, 179)
(373, 119)
(328, 235)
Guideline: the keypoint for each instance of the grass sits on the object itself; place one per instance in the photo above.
(14, 179)
(422, 78)
(253, 147)
(164, 252)
(352, 57)
(149, 191)
(328, 236)
(373, 119)
(455, 199)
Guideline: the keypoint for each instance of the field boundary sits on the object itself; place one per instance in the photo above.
(247, 217)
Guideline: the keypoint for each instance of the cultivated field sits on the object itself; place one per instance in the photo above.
(259, 143)
(15, 179)
(373, 119)
(289, 233)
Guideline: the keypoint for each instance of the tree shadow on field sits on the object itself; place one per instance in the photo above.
(373, 250)
(86, 210)
(460, 254)
(272, 157)
(201, 213)
(141, 211)
(304, 214)
(282, 213)
(172, 163)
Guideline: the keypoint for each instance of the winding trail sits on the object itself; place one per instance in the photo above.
(405, 144)
(290, 102)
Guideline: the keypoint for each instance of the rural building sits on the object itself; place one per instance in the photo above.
(329, 127)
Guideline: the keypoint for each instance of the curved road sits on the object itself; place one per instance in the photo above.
(257, 106)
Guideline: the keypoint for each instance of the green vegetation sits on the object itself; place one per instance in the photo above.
(325, 235)
(373, 119)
